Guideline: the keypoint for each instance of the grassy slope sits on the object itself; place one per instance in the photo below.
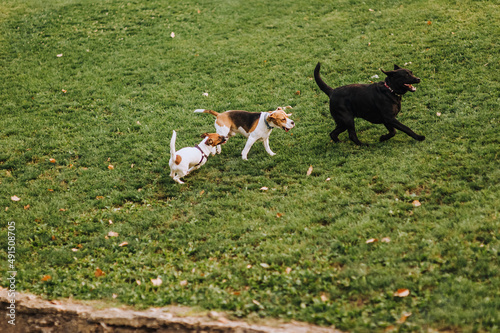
(128, 84)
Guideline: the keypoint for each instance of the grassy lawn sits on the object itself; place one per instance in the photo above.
(90, 92)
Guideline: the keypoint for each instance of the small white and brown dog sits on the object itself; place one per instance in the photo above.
(188, 159)
(254, 126)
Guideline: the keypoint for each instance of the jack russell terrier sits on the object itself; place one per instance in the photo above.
(188, 159)
(253, 125)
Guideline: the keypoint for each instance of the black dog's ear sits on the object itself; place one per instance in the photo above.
(387, 73)
(396, 67)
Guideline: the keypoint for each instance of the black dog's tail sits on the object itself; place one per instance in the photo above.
(321, 84)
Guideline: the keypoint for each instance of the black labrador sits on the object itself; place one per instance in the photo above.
(379, 103)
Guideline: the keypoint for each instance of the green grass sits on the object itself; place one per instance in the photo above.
(128, 84)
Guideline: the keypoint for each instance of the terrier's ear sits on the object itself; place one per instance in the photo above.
(210, 142)
(396, 67)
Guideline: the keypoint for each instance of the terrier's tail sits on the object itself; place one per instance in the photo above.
(172, 147)
(321, 84)
(207, 111)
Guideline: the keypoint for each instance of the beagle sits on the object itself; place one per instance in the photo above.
(188, 159)
(253, 125)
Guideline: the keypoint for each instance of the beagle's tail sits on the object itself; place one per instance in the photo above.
(321, 84)
(207, 111)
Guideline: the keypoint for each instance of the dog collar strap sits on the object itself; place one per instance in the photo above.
(269, 127)
(390, 89)
(202, 155)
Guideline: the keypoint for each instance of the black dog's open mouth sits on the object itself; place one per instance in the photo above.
(410, 87)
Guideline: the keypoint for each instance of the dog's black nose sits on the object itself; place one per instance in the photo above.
(418, 79)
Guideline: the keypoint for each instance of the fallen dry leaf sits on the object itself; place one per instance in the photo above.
(402, 293)
(99, 197)
(15, 198)
(27, 207)
(371, 240)
(278, 215)
(59, 55)
(98, 272)
(138, 282)
(111, 167)
(74, 249)
(123, 244)
(205, 94)
(264, 188)
(249, 266)
(114, 295)
(429, 22)
(309, 171)
(46, 278)
(297, 92)
(416, 203)
(288, 270)
(323, 297)
(404, 316)
(183, 283)
(172, 34)
(264, 265)
(112, 234)
(52, 160)
(255, 302)
(386, 240)
(64, 90)
(156, 282)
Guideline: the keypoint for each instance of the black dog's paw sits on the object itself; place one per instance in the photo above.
(334, 138)
(420, 138)
(385, 137)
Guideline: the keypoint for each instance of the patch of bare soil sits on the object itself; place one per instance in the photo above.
(33, 314)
